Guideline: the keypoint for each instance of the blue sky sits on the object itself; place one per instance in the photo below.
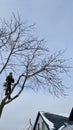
(54, 22)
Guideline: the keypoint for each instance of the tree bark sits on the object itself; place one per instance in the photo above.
(1, 107)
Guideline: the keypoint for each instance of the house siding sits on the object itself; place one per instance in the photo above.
(40, 124)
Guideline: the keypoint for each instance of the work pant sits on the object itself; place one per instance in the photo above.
(8, 91)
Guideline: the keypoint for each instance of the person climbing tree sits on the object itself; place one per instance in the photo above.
(9, 81)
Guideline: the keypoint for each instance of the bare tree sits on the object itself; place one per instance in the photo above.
(29, 58)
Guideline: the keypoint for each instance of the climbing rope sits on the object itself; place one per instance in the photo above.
(3, 63)
(5, 73)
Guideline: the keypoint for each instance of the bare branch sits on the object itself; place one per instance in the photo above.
(30, 59)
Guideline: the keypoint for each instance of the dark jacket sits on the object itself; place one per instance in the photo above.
(10, 79)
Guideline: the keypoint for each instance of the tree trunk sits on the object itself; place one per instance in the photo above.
(1, 107)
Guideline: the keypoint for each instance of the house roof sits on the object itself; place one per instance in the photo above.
(69, 127)
(53, 120)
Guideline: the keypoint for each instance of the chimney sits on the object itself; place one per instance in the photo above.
(71, 115)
